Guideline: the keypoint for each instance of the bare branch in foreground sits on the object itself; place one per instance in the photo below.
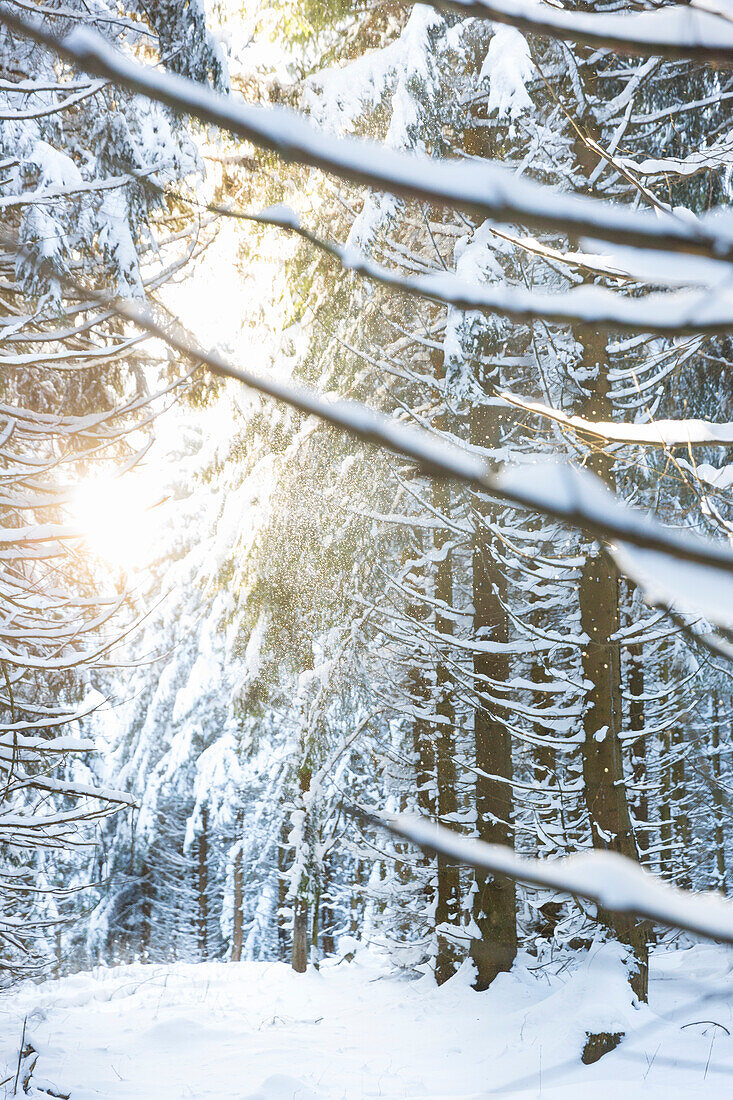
(606, 878)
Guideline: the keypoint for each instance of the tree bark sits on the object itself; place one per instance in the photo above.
(299, 958)
(718, 809)
(202, 879)
(447, 910)
(282, 891)
(682, 830)
(238, 916)
(635, 684)
(495, 901)
(316, 925)
(666, 838)
(146, 911)
(599, 597)
(300, 936)
(423, 733)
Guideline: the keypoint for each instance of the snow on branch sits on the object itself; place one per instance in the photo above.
(560, 491)
(485, 189)
(81, 790)
(606, 878)
(712, 158)
(678, 31)
(666, 579)
(694, 312)
(682, 589)
(64, 105)
(657, 433)
(51, 195)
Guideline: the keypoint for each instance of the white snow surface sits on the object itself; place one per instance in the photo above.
(258, 1031)
(507, 66)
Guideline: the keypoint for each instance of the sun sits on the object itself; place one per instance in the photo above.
(115, 518)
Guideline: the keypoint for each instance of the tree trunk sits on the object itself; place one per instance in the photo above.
(282, 891)
(635, 683)
(238, 916)
(423, 737)
(316, 925)
(146, 912)
(423, 732)
(718, 814)
(327, 917)
(682, 831)
(202, 879)
(666, 839)
(447, 910)
(599, 592)
(299, 958)
(356, 909)
(495, 902)
(300, 936)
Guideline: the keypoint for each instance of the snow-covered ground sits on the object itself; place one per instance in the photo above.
(257, 1031)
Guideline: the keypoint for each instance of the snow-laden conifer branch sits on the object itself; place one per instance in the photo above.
(678, 31)
(485, 189)
(53, 108)
(49, 196)
(714, 157)
(610, 880)
(574, 496)
(685, 312)
(80, 790)
(657, 433)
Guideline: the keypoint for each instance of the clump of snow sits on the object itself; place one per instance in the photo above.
(507, 67)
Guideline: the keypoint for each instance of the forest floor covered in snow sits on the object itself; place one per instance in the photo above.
(258, 1031)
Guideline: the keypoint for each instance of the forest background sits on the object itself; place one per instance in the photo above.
(294, 628)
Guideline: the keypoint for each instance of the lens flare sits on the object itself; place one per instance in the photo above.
(114, 516)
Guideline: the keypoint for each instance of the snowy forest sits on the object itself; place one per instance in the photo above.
(366, 565)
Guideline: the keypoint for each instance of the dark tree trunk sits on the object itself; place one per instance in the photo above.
(316, 924)
(635, 683)
(682, 830)
(666, 838)
(299, 958)
(599, 597)
(495, 903)
(355, 919)
(718, 808)
(423, 737)
(423, 731)
(545, 768)
(300, 936)
(447, 910)
(146, 912)
(282, 891)
(327, 917)
(238, 917)
(202, 881)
